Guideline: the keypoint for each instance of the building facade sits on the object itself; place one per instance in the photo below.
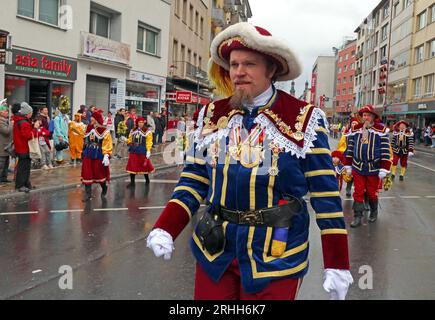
(322, 84)
(344, 82)
(106, 53)
(373, 45)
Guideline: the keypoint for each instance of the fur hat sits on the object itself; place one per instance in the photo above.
(98, 116)
(25, 109)
(245, 36)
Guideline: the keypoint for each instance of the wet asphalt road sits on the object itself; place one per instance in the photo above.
(104, 243)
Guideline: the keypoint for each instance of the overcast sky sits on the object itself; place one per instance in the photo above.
(311, 27)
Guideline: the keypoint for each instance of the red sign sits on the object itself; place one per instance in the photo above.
(183, 96)
(313, 88)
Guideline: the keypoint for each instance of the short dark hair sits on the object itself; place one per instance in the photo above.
(42, 108)
(16, 108)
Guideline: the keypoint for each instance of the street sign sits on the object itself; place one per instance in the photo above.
(183, 97)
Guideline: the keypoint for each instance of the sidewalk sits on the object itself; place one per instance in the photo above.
(68, 176)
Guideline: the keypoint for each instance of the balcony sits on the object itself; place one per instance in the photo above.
(187, 71)
(218, 17)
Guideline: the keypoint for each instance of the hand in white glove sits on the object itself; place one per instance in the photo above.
(348, 170)
(106, 160)
(161, 243)
(148, 154)
(382, 173)
(336, 282)
(411, 154)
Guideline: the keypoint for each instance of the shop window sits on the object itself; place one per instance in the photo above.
(59, 89)
(42, 10)
(15, 89)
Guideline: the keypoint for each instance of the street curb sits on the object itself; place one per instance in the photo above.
(71, 185)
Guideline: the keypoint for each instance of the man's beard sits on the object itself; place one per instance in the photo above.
(240, 98)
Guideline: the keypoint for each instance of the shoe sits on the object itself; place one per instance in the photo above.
(400, 178)
(71, 162)
(348, 194)
(393, 176)
(24, 189)
(45, 167)
(104, 190)
(356, 222)
(373, 211)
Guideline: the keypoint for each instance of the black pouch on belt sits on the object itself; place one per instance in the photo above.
(210, 232)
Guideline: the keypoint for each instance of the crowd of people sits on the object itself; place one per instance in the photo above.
(34, 140)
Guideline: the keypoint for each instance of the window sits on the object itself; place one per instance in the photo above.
(421, 20)
(400, 60)
(406, 3)
(428, 85)
(344, 80)
(384, 32)
(100, 24)
(338, 93)
(345, 68)
(196, 22)
(350, 90)
(184, 10)
(351, 78)
(177, 7)
(383, 52)
(339, 70)
(194, 59)
(396, 9)
(431, 46)
(147, 39)
(338, 81)
(341, 59)
(202, 27)
(175, 53)
(417, 88)
(200, 62)
(191, 17)
(386, 11)
(432, 14)
(42, 10)
(419, 54)
(347, 56)
(26, 8)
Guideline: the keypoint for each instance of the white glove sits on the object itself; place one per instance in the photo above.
(148, 154)
(383, 173)
(161, 243)
(411, 154)
(106, 161)
(348, 170)
(336, 282)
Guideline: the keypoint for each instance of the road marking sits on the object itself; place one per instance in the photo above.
(160, 207)
(66, 211)
(111, 209)
(419, 165)
(386, 197)
(410, 197)
(430, 197)
(430, 154)
(18, 213)
(156, 181)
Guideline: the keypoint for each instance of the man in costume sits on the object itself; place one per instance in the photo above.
(368, 159)
(76, 135)
(140, 142)
(252, 242)
(403, 146)
(96, 154)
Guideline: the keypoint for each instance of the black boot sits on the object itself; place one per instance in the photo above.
(88, 193)
(147, 179)
(400, 178)
(373, 211)
(104, 189)
(132, 183)
(358, 209)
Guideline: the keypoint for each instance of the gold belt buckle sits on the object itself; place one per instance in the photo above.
(251, 217)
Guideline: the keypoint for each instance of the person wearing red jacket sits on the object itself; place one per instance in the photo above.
(23, 131)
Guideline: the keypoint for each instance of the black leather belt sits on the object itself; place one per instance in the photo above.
(279, 216)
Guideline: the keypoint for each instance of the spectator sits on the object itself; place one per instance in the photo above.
(427, 136)
(110, 125)
(120, 116)
(89, 113)
(60, 135)
(121, 148)
(6, 127)
(83, 112)
(23, 131)
(433, 135)
(160, 127)
(152, 125)
(131, 119)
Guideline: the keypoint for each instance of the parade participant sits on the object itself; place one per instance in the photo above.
(96, 154)
(140, 142)
(342, 146)
(340, 171)
(252, 241)
(403, 146)
(368, 160)
(76, 134)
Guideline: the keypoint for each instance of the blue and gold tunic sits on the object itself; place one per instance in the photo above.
(290, 155)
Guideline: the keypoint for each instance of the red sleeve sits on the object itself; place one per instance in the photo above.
(335, 251)
(173, 219)
(27, 131)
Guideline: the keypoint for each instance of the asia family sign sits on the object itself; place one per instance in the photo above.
(43, 65)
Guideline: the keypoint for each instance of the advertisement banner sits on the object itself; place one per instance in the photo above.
(183, 97)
